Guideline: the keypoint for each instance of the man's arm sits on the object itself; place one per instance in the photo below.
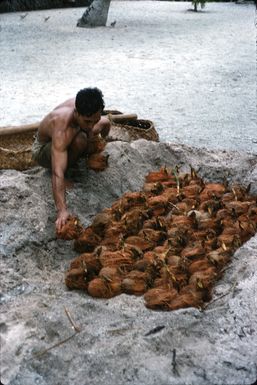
(102, 127)
(59, 165)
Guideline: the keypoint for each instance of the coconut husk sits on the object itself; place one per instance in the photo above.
(134, 252)
(96, 144)
(240, 193)
(211, 223)
(97, 162)
(238, 207)
(193, 252)
(159, 298)
(163, 283)
(158, 201)
(114, 236)
(247, 228)
(116, 259)
(72, 229)
(101, 221)
(112, 243)
(229, 241)
(219, 257)
(158, 176)
(171, 194)
(199, 265)
(184, 301)
(181, 222)
(171, 242)
(212, 190)
(76, 279)
(205, 278)
(113, 278)
(129, 201)
(227, 197)
(142, 265)
(87, 241)
(174, 260)
(88, 261)
(140, 242)
(135, 282)
(211, 206)
(133, 220)
(154, 236)
(99, 288)
(153, 188)
(191, 191)
(198, 293)
(156, 223)
(110, 273)
(175, 275)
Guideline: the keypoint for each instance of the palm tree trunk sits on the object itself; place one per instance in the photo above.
(95, 15)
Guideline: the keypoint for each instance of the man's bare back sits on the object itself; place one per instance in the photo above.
(62, 114)
(63, 136)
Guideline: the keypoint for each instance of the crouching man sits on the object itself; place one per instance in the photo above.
(63, 137)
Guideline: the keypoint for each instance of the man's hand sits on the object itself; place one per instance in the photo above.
(62, 217)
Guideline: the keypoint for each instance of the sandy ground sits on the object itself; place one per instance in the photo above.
(121, 342)
(192, 74)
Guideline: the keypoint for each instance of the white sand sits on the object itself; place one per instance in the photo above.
(192, 74)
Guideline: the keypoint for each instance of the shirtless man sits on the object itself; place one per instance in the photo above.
(62, 139)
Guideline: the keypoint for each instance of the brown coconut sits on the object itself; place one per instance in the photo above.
(116, 259)
(154, 236)
(153, 188)
(193, 251)
(87, 241)
(72, 229)
(76, 278)
(219, 257)
(101, 222)
(140, 242)
(99, 288)
(159, 298)
(199, 265)
(205, 278)
(158, 176)
(135, 282)
(185, 300)
(97, 162)
(96, 144)
(88, 261)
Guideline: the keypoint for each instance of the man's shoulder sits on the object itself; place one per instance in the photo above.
(69, 104)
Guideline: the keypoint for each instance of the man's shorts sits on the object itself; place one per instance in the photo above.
(41, 153)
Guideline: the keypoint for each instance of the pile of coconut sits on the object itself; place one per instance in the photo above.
(169, 242)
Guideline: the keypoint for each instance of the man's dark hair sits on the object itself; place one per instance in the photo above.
(89, 101)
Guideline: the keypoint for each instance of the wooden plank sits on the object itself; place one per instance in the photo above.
(9, 130)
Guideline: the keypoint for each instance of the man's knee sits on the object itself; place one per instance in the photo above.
(79, 143)
(105, 126)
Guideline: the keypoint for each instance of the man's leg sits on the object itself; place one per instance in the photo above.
(77, 148)
(41, 153)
